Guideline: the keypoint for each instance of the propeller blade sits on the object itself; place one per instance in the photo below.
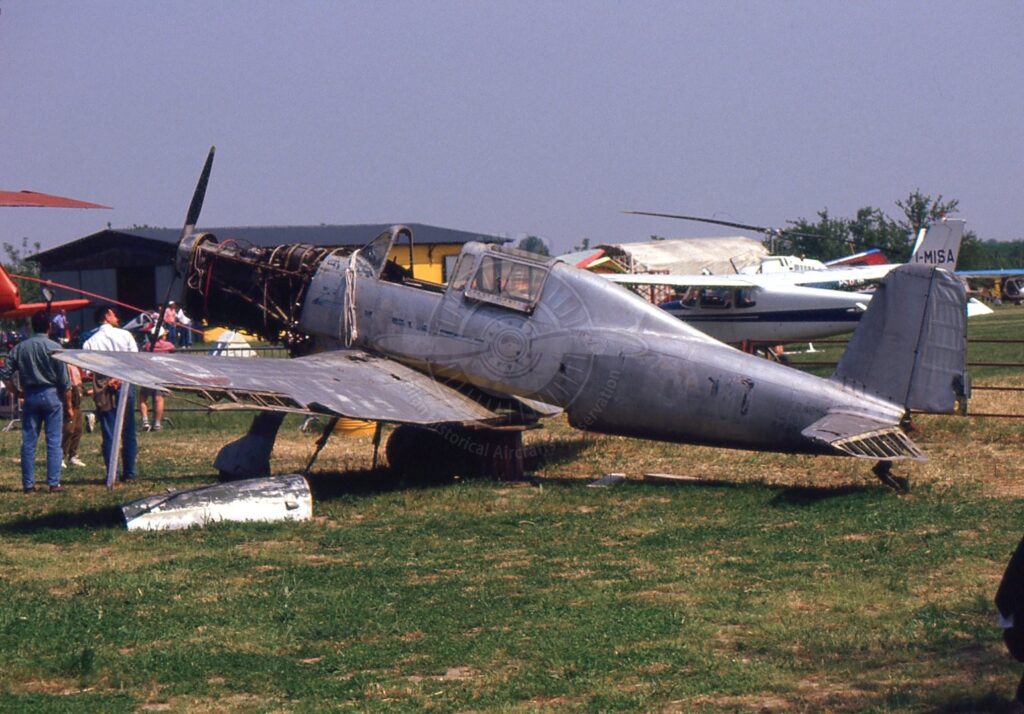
(200, 194)
(191, 219)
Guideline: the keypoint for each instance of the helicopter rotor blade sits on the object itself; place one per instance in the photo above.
(777, 232)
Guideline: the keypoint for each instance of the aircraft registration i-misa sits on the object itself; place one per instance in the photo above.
(514, 337)
(779, 306)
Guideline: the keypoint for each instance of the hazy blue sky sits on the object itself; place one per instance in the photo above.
(513, 117)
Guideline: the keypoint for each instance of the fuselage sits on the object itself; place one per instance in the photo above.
(544, 330)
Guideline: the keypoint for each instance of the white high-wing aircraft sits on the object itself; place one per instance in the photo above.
(780, 306)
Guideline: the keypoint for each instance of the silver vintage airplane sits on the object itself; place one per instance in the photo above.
(514, 337)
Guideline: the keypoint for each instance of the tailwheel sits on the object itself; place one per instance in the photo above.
(883, 471)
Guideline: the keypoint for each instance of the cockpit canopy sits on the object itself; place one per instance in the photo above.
(493, 274)
(371, 259)
(501, 276)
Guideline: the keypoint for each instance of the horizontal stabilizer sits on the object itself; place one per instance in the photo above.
(864, 437)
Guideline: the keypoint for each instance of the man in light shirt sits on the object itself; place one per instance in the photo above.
(109, 337)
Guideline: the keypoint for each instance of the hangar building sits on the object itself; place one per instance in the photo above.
(134, 265)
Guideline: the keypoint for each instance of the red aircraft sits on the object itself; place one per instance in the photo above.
(10, 297)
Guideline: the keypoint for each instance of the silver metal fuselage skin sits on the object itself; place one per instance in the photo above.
(616, 363)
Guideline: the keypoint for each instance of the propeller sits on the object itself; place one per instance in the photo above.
(198, 197)
(768, 231)
(191, 219)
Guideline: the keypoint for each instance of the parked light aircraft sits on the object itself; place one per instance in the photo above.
(783, 303)
(514, 337)
(941, 251)
(11, 305)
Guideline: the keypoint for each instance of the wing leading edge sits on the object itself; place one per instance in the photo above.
(348, 383)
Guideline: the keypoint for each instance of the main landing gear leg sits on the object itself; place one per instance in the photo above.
(249, 457)
(883, 470)
(321, 443)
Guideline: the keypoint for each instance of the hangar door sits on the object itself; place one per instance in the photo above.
(137, 287)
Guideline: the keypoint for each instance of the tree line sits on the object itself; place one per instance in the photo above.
(830, 237)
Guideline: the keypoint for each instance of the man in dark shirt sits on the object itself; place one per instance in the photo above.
(45, 384)
(1010, 603)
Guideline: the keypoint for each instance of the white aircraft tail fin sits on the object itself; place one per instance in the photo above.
(939, 244)
(910, 346)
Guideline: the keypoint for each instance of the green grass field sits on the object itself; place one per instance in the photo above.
(775, 584)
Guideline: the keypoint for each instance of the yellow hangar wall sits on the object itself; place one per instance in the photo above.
(430, 260)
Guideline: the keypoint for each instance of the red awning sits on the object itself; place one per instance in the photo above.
(31, 199)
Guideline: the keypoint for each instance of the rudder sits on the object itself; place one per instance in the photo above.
(910, 346)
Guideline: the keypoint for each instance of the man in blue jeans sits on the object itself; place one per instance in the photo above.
(111, 338)
(45, 383)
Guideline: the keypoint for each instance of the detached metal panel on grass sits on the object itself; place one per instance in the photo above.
(281, 498)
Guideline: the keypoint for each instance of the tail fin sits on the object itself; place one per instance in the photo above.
(939, 244)
(910, 346)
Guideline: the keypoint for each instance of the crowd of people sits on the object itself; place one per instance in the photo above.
(51, 393)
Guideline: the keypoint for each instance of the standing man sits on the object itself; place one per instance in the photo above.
(45, 384)
(73, 426)
(171, 321)
(111, 338)
(1010, 603)
(184, 328)
(59, 331)
(161, 345)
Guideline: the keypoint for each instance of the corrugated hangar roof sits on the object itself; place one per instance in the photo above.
(162, 239)
(690, 256)
(333, 235)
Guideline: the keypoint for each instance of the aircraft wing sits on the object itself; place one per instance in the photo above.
(854, 274)
(695, 281)
(976, 308)
(33, 199)
(863, 436)
(348, 383)
(754, 280)
(992, 273)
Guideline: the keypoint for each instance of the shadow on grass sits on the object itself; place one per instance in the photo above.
(95, 518)
(332, 484)
(553, 452)
(993, 703)
(326, 485)
(810, 495)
